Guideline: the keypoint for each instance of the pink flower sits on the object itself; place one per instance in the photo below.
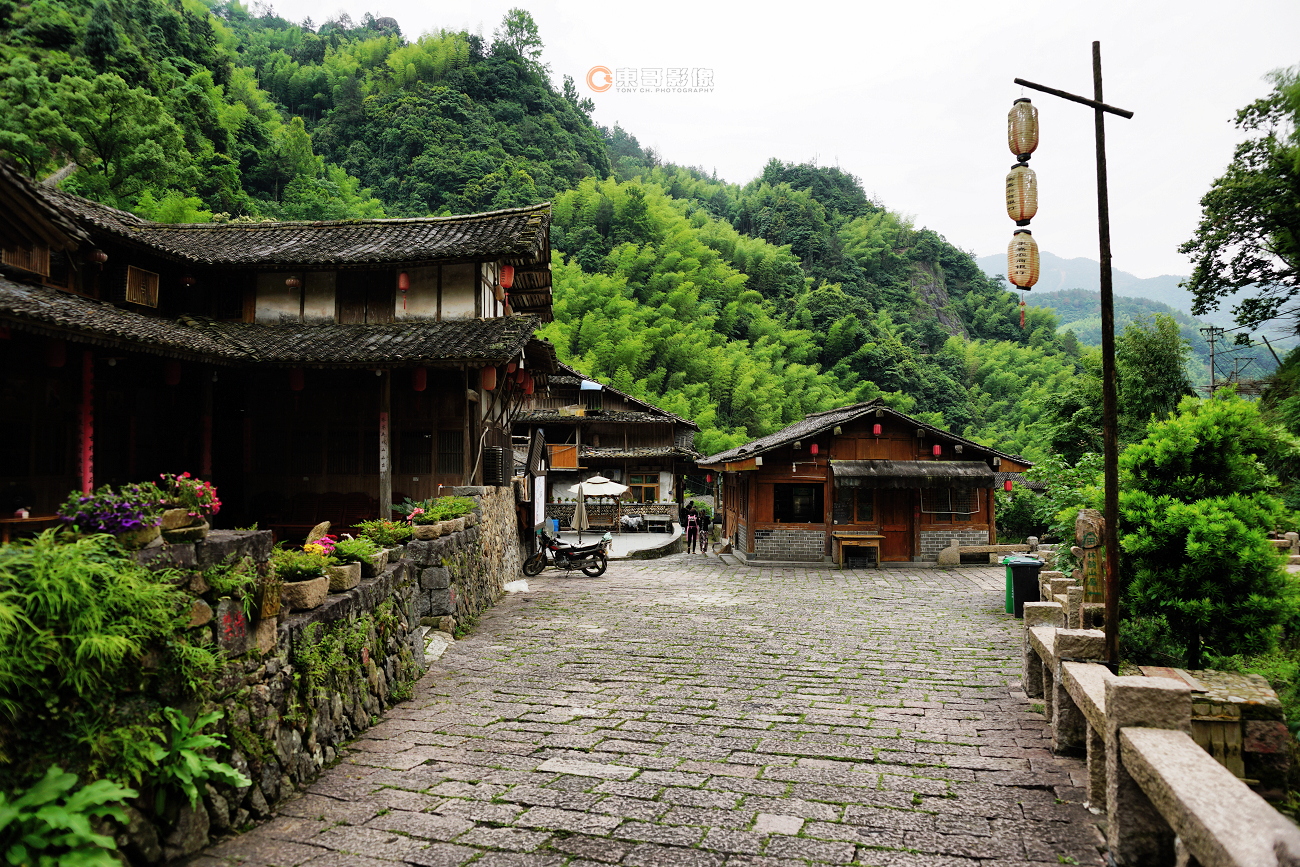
(418, 511)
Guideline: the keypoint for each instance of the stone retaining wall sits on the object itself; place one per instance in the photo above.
(789, 544)
(739, 546)
(934, 541)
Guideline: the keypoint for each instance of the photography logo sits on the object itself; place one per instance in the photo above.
(600, 79)
(654, 79)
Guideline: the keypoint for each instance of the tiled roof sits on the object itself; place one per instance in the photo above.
(494, 340)
(1019, 479)
(575, 377)
(45, 310)
(824, 421)
(38, 308)
(648, 452)
(512, 234)
(548, 416)
(26, 215)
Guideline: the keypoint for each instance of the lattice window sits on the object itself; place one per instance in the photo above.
(451, 452)
(141, 286)
(28, 258)
(947, 502)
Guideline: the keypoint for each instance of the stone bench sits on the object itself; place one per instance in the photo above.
(951, 556)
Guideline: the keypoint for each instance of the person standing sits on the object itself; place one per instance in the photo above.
(692, 529)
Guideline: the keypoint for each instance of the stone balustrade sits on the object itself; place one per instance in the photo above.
(1167, 800)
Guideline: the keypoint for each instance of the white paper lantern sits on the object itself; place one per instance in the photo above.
(1022, 129)
(1022, 194)
(1022, 259)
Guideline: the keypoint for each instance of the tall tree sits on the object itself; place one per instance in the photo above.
(1249, 234)
(31, 131)
(518, 32)
(101, 41)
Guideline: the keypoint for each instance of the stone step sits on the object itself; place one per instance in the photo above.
(1293, 560)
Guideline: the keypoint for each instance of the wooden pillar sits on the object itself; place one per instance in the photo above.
(87, 427)
(993, 525)
(205, 468)
(385, 453)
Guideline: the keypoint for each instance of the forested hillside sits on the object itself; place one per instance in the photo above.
(742, 306)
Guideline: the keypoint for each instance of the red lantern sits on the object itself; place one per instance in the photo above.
(529, 385)
(511, 367)
(97, 257)
(489, 377)
(507, 276)
(403, 281)
(292, 282)
(172, 372)
(1006, 486)
(520, 375)
(875, 430)
(709, 478)
(419, 379)
(938, 450)
(813, 449)
(297, 379)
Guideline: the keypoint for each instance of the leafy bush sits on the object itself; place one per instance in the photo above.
(293, 565)
(385, 533)
(182, 763)
(114, 510)
(1195, 508)
(436, 509)
(195, 495)
(360, 550)
(49, 825)
(1017, 515)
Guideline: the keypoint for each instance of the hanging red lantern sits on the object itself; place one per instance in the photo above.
(812, 449)
(519, 376)
(529, 385)
(403, 281)
(507, 276)
(489, 377)
(1022, 129)
(97, 257)
(172, 372)
(419, 379)
(297, 379)
(875, 430)
(1006, 486)
(511, 367)
(1022, 259)
(937, 450)
(293, 282)
(1022, 194)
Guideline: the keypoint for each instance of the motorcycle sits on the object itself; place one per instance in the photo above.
(591, 559)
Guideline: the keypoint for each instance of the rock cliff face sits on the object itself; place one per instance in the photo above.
(929, 285)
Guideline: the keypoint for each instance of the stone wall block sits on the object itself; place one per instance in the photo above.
(1080, 644)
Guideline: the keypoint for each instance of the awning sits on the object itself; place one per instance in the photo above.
(913, 474)
(588, 385)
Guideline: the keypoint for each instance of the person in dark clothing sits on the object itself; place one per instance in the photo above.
(693, 529)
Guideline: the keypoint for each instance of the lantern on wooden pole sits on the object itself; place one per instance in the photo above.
(1022, 264)
(1022, 128)
(1022, 194)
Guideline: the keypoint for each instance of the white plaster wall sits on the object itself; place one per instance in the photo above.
(458, 292)
(666, 492)
(318, 304)
(422, 297)
(276, 302)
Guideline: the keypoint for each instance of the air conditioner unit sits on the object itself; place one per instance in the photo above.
(498, 466)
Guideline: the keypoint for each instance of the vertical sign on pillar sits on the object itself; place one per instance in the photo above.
(1089, 531)
(385, 465)
(87, 422)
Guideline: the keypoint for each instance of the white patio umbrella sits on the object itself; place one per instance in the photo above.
(579, 521)
(598, 486)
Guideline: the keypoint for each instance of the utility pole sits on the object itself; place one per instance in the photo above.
(1110, 414)
(1212, 334)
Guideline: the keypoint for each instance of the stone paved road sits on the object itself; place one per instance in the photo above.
(687, 713)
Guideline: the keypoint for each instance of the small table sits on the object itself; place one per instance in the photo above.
(6, 530)
(662, 522)
(858, 540)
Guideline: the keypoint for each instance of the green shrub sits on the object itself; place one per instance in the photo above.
(183, 764)
(385, 534)
(360, 550)
(437, 509)
(49, 825)
(1017, 517)
(293, 565)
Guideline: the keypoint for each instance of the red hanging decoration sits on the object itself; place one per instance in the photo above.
(937, 450)
(812, 449)
(489, 377)
(875, 430)
(507, 276)
(419, 379)
(1006, 486)
(404, 283)
(1022, 313)
(511, 367)
(297, 379)
(709, 478)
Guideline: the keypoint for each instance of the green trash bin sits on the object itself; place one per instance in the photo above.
(1024, 582)
(1011, 604)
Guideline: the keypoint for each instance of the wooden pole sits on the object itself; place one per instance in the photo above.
(385, 453)
(87, 422)
(1110, 413)
(205, 463)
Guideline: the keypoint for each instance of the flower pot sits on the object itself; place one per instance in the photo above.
(192, 533)
(343, 577)
(174, 519)
(425, 532)
(134, 539)
(304, 595)
(376, 565)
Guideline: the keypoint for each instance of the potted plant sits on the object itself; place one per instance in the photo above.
(302, 573)
(132, 513)
(190, 502)
(432, 518)
(360, 557)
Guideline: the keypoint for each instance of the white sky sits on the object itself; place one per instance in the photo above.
(912, 98)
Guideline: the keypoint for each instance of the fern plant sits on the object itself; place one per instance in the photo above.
(182, 763)
(49, 825)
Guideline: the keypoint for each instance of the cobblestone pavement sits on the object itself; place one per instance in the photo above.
(687, 713)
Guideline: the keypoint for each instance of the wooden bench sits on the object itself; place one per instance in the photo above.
(857, 540)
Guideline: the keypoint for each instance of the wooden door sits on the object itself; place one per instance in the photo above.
(350, 298)
(895, 509)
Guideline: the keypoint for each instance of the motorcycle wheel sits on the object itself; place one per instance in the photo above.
(596, 568)
(535, 564)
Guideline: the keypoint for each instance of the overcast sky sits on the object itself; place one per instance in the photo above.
(912, 98)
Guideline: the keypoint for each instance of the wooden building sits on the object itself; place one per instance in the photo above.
(594, 429)
(859, 483)
(308, 369)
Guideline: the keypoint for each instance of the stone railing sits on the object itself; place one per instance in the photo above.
(1167, 800)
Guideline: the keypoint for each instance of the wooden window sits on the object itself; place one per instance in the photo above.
(797, 504)
(593, 399)
(60, 271)
(854, 505)
(417, 453)
(343, 456)
(643, 487)
(451, 452)
(949, 504)
(564, 456)
(141, 286)
(35, 258)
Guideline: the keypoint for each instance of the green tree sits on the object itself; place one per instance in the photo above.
(1151, 359)
(1196, 505)
(518, 32)
(31, 131)
(1249, 234)
(101, 41)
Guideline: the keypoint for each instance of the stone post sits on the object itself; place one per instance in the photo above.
(1294, 539)
(1073, 606)
(1069, 725)
(1045, 579)
(1136, 832)
(1031, 670)
(1089, 531)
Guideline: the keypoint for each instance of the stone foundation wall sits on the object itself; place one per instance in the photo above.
(741, 543)
(934, 541)
(781, 544)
